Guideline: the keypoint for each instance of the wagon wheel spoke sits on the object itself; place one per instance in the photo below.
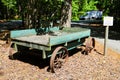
(56, 58)
(59, 56)
(56, 61)
(62, 55)
(57, 64)
(59, 59)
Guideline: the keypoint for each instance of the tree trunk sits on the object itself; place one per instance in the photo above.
(66, 14)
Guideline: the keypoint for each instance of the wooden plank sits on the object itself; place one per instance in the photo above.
(37, 39)
(20, 33)
(68, 37)
(28, 32)
(32, 45)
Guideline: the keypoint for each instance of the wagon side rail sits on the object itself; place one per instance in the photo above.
(69, 37)
(20, 33)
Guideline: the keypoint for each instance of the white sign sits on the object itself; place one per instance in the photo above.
(108, 21)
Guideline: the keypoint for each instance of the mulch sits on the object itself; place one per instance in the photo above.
(94, 66)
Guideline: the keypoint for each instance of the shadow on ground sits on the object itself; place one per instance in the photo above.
(34, 57)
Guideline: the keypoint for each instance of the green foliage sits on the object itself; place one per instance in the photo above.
(9, 3)
(51, 9)
(79, 7)
(75, 9)
(89, 5)
(10, 9)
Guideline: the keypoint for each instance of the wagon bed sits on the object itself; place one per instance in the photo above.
(54, 38)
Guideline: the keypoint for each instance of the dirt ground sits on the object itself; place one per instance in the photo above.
(94, 66)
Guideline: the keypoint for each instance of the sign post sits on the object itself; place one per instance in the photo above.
(108, 21)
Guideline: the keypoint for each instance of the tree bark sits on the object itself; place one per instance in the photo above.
(66, 14)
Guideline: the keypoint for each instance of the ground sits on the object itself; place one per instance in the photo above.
(94, 66)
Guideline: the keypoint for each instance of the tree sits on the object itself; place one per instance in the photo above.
(37, 12)
(66, 13)
(2, 10)
(88, 5)
(79, 7)
(75, 9)
(10, 7)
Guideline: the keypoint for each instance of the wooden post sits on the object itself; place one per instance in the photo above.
(106, 40)
(108, 21)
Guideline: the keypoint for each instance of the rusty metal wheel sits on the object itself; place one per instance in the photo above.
(58, 58)
(89, 45)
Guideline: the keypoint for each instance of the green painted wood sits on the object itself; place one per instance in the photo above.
(32, 45)
(69, 37)
(28, 32)
(20, 33)
(73, 44)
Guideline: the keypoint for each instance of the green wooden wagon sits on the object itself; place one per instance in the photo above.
(55, 44)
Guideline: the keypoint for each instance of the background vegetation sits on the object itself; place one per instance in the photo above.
(35, 12)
